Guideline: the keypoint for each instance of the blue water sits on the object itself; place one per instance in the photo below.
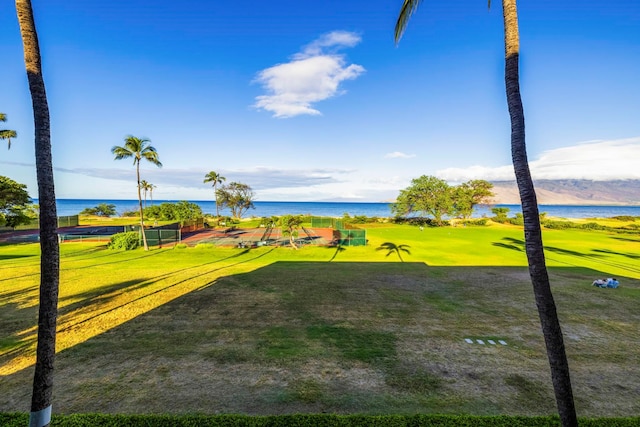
(338, 209)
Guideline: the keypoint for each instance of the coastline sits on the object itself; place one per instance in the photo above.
(68, 207)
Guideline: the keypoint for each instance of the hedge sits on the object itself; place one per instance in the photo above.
(303, 420)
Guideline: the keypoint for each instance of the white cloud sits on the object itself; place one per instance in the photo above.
(398, 155)
(311, 76)
(593, 160)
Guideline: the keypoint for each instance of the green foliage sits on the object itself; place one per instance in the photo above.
(427, 195)
(475, 222)
(310, 391)
(558, 225)
(182, 211)
(625, 218)
(127, 241)
(501, 214)
(103, 209)
(361, 219)
(431, 196)
(290, 225)
(469, 194)
(418, 221)
(7, 133)
(592, 226)
(15, 208)
(518, 219)
(136, 148)
(237, 197)
(564, 225)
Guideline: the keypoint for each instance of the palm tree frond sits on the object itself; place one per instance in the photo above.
(407, 10)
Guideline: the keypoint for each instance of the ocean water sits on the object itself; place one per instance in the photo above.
(338, 209)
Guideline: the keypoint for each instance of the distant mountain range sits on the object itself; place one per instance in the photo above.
(573, 192)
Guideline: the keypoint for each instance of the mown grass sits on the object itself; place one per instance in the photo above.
(352, 329)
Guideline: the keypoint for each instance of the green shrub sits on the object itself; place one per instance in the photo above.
(500, 214)
(127, 241)
(592, 226)
(624, 218)
(316, 420)
(558, 225)
(419, 221)
(180, 246)
(475, 222)
(516, 220)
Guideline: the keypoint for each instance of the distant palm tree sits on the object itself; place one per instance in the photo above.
(532, 230)
(49, 247)
(7, 134)
(146, 187)
(151, 187)
(216, 179)
(139, 149)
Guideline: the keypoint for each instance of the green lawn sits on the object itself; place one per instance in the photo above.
(375, 329)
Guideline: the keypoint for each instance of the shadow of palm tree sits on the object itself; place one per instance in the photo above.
(391, 248)
(507, 246)
(609, 252)
(339, 249)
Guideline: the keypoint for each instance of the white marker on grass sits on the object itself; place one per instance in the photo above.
(502, 342)
(469, 340)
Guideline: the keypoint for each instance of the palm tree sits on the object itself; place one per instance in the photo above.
(5, 133)
(216, 179)
(145, 187)
(49, 249)
(139, 149)
(532, 231)
(151, 187)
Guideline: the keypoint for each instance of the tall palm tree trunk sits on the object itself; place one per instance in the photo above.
(532, 231)
(144, 236)
(50, 252)
(215, 193)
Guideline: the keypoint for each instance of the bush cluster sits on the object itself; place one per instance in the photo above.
(316, 420)
(421, 221)
(564, 225)
(103, 209)
(474, 222)
(359, 219)
(182, 211)
(128, 241)
(625, 218)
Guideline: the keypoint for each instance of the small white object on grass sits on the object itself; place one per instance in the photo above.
(480, 342)
(492, 342)
(502, 342)
(469, 340)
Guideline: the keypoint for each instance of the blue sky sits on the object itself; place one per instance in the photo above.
(313, 100)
